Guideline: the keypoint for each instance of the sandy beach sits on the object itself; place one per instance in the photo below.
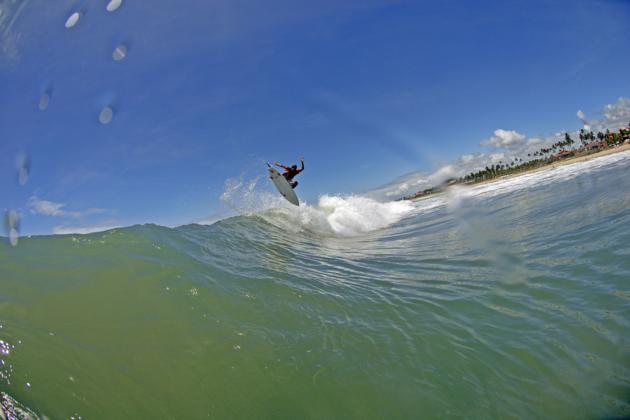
(564, 162)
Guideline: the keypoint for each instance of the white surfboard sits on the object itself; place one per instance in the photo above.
(283, 186)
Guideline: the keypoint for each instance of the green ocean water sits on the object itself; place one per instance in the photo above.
(509, 300)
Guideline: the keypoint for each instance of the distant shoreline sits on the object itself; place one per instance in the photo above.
(550, 165)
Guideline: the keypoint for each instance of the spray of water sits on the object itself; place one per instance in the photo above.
(332, 215)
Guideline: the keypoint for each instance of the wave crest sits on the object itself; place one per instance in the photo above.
(342, 216)
(333, 215)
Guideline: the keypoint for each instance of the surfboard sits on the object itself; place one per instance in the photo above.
(282, 185)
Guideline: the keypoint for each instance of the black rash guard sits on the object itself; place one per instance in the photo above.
(290, 173)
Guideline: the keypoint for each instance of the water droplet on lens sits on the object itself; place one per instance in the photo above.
(120, 52)
(23, 165)
(106, 115)
(44, 100)
(12, 218)
(22, 176)
(12, 225)
(73, 19)
(113, 5)
(13, 237)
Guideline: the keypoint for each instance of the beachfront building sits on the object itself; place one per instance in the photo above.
(596, 145)
(563, 154)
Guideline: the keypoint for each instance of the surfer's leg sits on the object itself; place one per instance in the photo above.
(293, 184)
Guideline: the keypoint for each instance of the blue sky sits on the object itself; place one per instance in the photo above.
(366, 91)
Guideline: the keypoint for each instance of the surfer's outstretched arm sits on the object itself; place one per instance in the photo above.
(281, 165)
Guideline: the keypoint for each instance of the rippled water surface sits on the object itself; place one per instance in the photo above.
(508, 300)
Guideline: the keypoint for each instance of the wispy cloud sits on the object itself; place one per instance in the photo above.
(615, 115)
(46, 208)
(9, 39)
(504, 138)
(377, 129)
(37, 205)
(612, 116)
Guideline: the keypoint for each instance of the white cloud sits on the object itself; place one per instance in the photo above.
(404, 185)
(49, 208)
(398, 190)
(82, 230)
(612, 117)
(46, 208)
(9, 38)
(534, 141)
(442, 174)
(504, 138)
(617, 115)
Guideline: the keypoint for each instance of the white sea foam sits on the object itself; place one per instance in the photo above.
(340, 216)
(332, 215)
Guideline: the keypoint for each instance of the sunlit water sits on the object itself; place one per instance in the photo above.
(508, 300)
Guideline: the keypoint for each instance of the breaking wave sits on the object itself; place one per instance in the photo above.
(332, 215)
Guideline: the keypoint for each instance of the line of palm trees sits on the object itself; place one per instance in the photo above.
(558, 146)
(611, 139)
(587, 137)
(546, 154)
(518, 164)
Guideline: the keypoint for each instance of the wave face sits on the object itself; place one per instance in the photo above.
(504, 300)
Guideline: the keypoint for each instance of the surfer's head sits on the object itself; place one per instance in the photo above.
(293, 166)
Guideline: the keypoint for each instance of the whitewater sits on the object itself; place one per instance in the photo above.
(503, 300)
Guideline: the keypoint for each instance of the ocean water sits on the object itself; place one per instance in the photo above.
(505, 300)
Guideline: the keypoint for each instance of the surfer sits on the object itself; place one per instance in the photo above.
(290, 172)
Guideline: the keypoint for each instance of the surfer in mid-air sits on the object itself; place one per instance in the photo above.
(290, 172)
